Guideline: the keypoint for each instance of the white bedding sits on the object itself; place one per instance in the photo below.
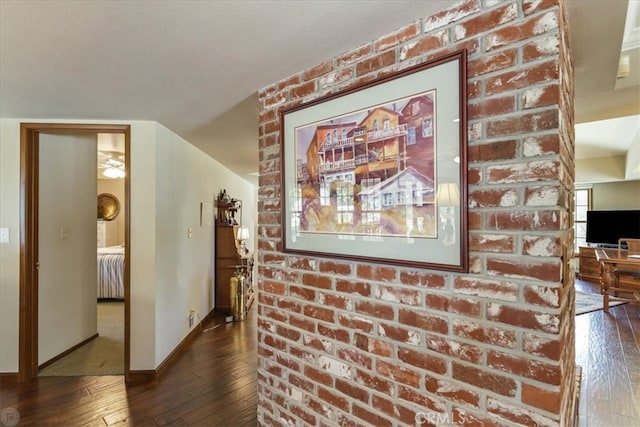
(111, 272)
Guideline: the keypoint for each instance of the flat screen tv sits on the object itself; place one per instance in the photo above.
(606, 227)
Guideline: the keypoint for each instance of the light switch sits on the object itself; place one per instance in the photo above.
(4, 235)
(189, 232)
(64, 233)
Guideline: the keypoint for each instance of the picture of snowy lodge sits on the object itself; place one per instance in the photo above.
(370, 176)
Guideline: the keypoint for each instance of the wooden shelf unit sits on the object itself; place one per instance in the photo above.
(588, 267)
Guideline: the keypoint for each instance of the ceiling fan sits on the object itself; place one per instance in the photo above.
(111, 163)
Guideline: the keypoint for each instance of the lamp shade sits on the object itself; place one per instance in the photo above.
(243, 233)
(448, 194)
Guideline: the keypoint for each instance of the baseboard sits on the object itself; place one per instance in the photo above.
(64, 353)
(8, 379)
(151, 375)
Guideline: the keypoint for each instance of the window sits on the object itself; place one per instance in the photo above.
(582, 203)
(411, 136)
(427, 127)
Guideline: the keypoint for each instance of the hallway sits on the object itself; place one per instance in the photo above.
(211, 384)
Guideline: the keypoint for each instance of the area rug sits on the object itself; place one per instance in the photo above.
(587, 302)
(103, 355)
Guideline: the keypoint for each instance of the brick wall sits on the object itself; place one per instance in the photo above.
(348, 343)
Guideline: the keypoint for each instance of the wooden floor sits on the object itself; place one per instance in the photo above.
(211, 384)
(214, 382)
(608, 349)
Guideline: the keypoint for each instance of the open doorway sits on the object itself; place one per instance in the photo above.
(32, 272)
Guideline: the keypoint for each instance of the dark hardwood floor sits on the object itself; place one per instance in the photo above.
(214, 382)
(608, 350)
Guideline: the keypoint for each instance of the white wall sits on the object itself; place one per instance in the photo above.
(170, 273)
(616, 195)
(602, 169)
(67, 274)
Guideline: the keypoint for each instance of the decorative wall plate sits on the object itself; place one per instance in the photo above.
(108, 206)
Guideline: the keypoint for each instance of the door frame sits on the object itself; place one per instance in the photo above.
(29, 207)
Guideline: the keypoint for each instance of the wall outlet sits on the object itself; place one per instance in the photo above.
(192, 318)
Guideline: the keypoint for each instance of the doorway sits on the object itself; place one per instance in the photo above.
(31, 208)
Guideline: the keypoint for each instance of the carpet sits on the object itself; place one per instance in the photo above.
(588, 302)
(103, 355)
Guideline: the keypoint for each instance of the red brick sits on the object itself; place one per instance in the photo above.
(319, 313)
(398, 295)
(289, 305)
(302, 323)
(542, 246)
(333, 399)
(334, 333)
(302, 293)
(421, 399)
(423, 360)
(453, 348)
(303, 414)
(336, 268)
(493, 198)
(548, 195)
(462, 416)
(336, 78)
(379, 310)
(422, 279)
(301, 263)
(351, 390)
(542, 296)
(373, 382)
(399, 334)
(353, 287)
(424, 45)
(274, 342)
(491, 107)
(372, 345)
(522, 78)
(356, 357)
(465, 306)
(317, 281)
(484, 334)
(376, 62)
(489, 64)
(287, 362)
(377, 273)
(423, 321)
(542, 346)
(393, 409)
(290, 81)
(541, 96)
(549, 271)
(524, 123)
(397, 37)
(474, 220)
(290, 334)
(540, 48)
(474, 176)
(370, 417)
(496, 383)
(549, 400)
(451, 391)
(337, 301)
(523, 30)
(524, 367)
(524, 318)
(474, 89)
(275, 314)
(545, 220)
(501, 150)
(479, 24)
(483, 288)
(491, 243)
(517, 414)
(353, 56)
(301, 383)
(398, 373)
(318, 70)
(451, 14)
(318, 376)
(532, 6)
(353, 322)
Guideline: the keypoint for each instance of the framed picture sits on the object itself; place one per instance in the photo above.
(378, 173)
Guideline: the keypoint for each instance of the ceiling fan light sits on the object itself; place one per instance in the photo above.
(113, 173)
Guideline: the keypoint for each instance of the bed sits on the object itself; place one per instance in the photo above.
(111, 272)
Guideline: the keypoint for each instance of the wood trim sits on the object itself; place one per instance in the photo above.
(8, 379)
(136, 377)
(29, 169)
(69, 350)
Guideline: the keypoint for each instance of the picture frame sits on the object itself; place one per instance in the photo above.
(378, 173)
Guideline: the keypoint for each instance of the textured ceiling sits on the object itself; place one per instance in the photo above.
(195, 66)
